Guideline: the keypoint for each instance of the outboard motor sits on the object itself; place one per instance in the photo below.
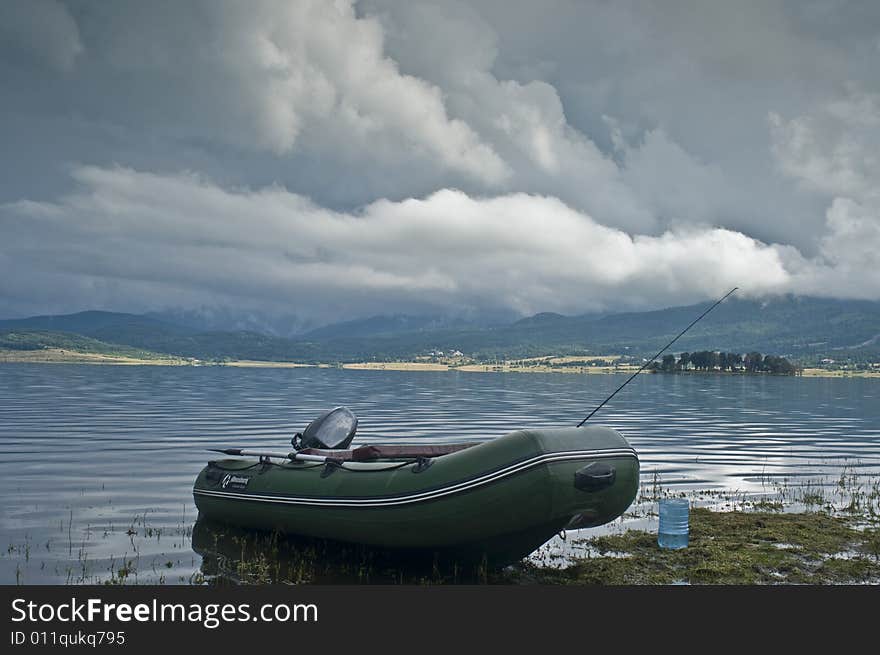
(332, 430)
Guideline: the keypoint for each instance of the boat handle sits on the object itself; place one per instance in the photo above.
(595, 477)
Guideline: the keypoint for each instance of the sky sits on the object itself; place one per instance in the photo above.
(328, 160)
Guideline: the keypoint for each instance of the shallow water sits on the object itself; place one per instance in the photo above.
(99, 461)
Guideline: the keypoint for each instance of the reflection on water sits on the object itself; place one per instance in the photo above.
(235, 556)
(99, 461)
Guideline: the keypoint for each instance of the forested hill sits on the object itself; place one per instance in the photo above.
(796, 327)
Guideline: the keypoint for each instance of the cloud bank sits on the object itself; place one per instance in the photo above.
(126, 234)
(338, 159)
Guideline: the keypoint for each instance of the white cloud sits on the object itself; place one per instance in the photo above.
(314, 65)
(169, 237)
(674, 183)
(525, 122)
(831, 161)
(281, 76)
(834, 150)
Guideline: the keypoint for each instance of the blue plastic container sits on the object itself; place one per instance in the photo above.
(673, 531)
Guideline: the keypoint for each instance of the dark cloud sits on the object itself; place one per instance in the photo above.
(415, 156)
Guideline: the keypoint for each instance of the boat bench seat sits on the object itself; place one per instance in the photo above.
(367, 453)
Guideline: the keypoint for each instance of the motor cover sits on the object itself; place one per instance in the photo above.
(332, 430)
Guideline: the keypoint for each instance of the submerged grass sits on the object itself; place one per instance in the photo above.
(802, 531)
(234, 556)
(733, 547)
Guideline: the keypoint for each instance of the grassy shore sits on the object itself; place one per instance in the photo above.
(733, 547)
(811, 531)
(255, 363)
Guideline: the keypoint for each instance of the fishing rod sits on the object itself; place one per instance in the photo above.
(646, 364)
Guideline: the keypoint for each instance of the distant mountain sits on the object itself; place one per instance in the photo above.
(30, 340)
(383, 326)
(225, 319)
(542, 319)
(789, 325)
(795, 327)
(95, 324)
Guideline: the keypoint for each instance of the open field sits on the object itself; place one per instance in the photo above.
(836, 373)
(61, 356)
(398, 366)
(516, 367)
(570, 359)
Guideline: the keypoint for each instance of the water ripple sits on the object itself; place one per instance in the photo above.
(97, 446)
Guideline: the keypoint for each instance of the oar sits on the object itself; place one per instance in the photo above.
(330, 463)
(238, 452)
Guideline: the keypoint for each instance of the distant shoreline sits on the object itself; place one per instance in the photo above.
(58, 356)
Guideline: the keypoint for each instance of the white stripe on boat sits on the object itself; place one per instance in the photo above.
(427, 495)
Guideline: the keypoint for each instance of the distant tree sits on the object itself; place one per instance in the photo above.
(684, 359)
(753, 362)
(708, 360)
(778, 365)
(714, 360)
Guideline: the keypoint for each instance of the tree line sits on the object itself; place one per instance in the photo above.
(708, 360)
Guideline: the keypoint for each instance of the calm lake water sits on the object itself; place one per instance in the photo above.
(98, 461)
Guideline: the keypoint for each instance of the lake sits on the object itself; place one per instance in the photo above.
(99, 461)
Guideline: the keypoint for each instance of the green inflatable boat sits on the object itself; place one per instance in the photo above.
(499, 499)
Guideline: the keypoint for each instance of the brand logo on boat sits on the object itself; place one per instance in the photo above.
(234, 481)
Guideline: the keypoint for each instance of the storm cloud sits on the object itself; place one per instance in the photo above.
(346, 159)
